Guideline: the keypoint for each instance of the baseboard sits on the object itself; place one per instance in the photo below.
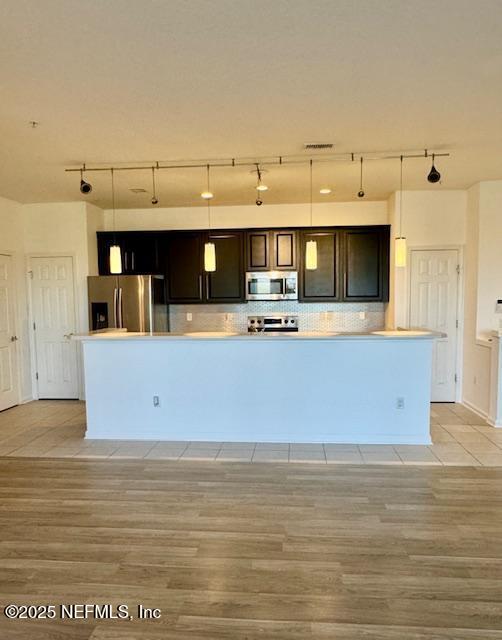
(477, 410)
(26, 399)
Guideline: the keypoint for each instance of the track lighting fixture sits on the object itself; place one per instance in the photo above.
(154, 193)
(360, 193)
(434, 175)
(260, 186)
(85, 187)
(209, 248)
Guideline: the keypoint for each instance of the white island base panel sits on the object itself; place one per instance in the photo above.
(362, 389)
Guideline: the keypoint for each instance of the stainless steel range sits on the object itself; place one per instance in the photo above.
(267, 324)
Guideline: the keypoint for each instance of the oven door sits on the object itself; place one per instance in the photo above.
(270, 286)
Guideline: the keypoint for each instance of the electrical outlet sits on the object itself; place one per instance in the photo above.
(399, 403)
(189, 317)
(362, 315)
(156, 401)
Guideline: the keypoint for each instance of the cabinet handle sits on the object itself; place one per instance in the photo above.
(132, 260)
(200, 286)
(207, 286)
(125, 260)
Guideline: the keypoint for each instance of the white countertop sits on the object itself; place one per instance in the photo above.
(221, 335)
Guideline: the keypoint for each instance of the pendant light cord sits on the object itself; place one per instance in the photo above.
(311, 206)
(361, 176)
(401, 199)
(208, 204)
(113, 208)
(153, 183)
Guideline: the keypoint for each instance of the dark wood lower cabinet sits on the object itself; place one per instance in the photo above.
(320, 284)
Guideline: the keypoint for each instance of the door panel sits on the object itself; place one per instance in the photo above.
(53, 304)
(258, 251)
(8, 362)
(184, 278)
(321, 284)
(433, 305)
(284, 243)
(227, 282)
(135, 299)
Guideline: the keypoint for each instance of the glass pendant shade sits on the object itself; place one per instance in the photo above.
(400, 252)
(311, 255)
(115, 259)
(209, 257)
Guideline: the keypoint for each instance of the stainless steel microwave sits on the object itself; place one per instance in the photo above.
(272, 285)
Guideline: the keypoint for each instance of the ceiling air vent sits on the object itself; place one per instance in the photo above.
(308, 146)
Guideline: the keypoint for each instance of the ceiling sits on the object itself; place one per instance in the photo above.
(125, 81)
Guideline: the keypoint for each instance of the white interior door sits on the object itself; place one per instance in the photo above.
(8, 368)
(433, 305)
(53, 304)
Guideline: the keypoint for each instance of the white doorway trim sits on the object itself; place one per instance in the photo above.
(460, 304)
(33, 357)
(14, 256)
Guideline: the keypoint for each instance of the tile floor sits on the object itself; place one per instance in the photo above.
(55, 429)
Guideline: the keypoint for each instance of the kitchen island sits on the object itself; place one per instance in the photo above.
(302, 387)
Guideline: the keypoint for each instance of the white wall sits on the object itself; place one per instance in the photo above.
(12, 242)
(429, 219)
(278, 215)
(483, 286)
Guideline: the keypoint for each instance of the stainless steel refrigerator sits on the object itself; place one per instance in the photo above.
(135, 303)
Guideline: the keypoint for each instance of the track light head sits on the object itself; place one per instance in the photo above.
(155, 200)
(434, 175)
(360, 193)
(259, 201)
(85, 187)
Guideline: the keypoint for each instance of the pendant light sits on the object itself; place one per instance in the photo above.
(155, 200)
(400, 246)
(311, 246)
(360, 193)
(434, 175)
(115, 253)
(209, 248)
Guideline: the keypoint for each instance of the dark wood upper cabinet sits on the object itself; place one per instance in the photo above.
(258, 251)
(352, 262)
(226, 284)
(321, 284)
(139, 249)
(366, 264)
(184, 267)
(271, 250)
(284, 249)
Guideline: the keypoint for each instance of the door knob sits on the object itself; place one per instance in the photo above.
(13, 338)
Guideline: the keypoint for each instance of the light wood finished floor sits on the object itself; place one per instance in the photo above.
(55, 429)
(253, 551)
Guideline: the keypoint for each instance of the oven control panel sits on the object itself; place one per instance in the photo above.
(258, 324)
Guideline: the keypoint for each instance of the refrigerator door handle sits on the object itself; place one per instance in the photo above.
(119, 306)
(115, 306)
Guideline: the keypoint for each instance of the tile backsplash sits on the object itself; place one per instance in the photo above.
(316, 316)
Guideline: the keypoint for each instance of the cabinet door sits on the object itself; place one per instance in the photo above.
(227, 282)
(184, 273)
(284, 249)
(105, 241)
(258, 251)
(140, 253)
(322, 283)
(366, 268)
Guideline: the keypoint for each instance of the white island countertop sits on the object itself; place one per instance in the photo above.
(384, 334)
